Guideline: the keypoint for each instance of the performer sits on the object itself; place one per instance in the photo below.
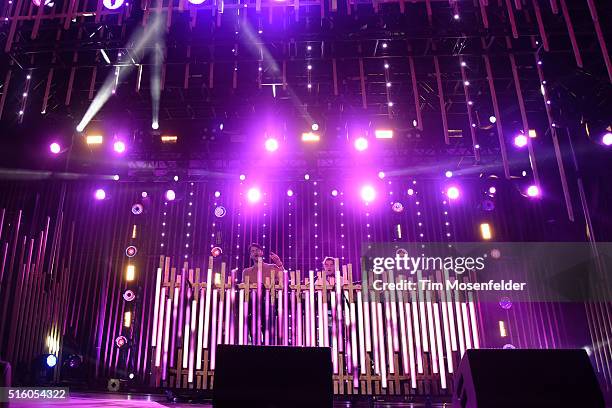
(328, 272)
(256, 253)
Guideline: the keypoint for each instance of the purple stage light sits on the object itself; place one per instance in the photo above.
(533, 191)
(453, 193)
(242, 177)
(334, 193)
(381, 174)
(100, 194)
(271, 144)
(607, 139)
(290, 193)
(492, 190)
(144, 194)
(217, 194)
(410, 192)
(448, 174)
(55, 148)
(170, 195)
(520, 140)
(254, 195)
(361, 143)
(368, 194)
(492, 119)
(119, 146)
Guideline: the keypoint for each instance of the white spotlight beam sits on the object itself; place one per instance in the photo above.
(141, 41)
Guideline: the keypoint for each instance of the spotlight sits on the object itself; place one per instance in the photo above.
(397, 207)
(520, 140)
(55, 148)
(410, 192)
(466, 83)
(334, 193)
(361, 143)
(131, 251)
(306, 177)
(170, 195)
(176, 178)
(271, 145)
(368, 194)
(100, 194)
(386, 66)
(129, 295)
(119, 146)
(381, 174)
(463, 64)
(456, 16)
(492, 190)
(166, 139)
(254, 195)
(130, 273)
(154, 125)
(607, 139)
(384, 45)
(144, 194)
(94, 139)
(290, 193)
(492, 119)
(242, 177)
(116, 177)
(137, 209)
(131, 376)
(452, 193)
(51, 360)
(383, 133)
(310, 137)
(533, 191)
(216, 251)
(485, 231)
(120, 341)
(217, 194)
(448, 174)
(309, 48)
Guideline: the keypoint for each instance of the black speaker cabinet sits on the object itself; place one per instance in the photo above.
(493, 378)
(273, 376)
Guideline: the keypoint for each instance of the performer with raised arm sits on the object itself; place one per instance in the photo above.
(255, 254)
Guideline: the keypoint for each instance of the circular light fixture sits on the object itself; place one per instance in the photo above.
(137, 209)
(216, 251)
(398, 207)
(129, 295)
(131, 251)
(51, 360)
(220, 212)
(120, 341)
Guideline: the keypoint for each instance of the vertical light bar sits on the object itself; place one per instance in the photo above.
(375, 337)
(213, 329)
(447, 341)
(307, 318)
(347, 338)
(459, 324)
(160, 328)
(267, 318)
(466, 326)
(156, 308)
(403, 338)
(228, 302)
(191, 342)
(286, 311)
(411, 352)
(366, 324)
(186, 337)
(451, 318)
(360, 324)
(389, 336)
(200, 343)
(502, 329)
(354, 344)
(254, 331)
(473, 321)
(334, 335)
(339, 306)
(220, 317)
(439, 346)
(298, 316)
(166, 340)
(241, 317)
(383, 368)
(313, 332)
(432, 336)
(175, 304)
(207, 308)
(417, 334)
(280, 329)
(422, 310)
(257, 311)
(325, 323)
(321, 320)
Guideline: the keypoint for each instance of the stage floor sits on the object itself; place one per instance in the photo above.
(124, 400)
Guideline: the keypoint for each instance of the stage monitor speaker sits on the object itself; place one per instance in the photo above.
(273, 376)
(494, 378)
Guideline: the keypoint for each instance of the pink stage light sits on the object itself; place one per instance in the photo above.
(271, 144)
(55, 148)
(170, 195)
(254, 195)
(607, 139)
(100, 194)
(533, 191)
(453, 193)
(368, 194)
(119, 146)
(334, 193)
(289, 193)
(361, 144)
(520, 140)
